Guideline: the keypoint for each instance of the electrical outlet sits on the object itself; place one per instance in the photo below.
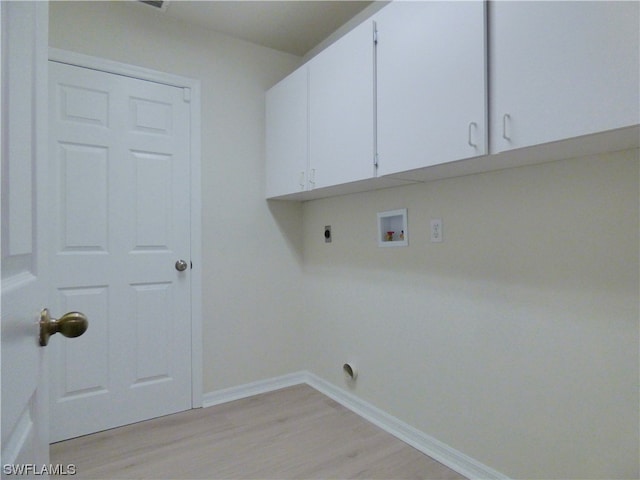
(436, 230)
(327, 234)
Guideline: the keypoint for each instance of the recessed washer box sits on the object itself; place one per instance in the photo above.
(393, 230)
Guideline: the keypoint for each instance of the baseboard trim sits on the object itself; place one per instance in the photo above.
(426, 444)
(254, 388)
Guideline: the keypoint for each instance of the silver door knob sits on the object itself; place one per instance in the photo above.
(181, 265)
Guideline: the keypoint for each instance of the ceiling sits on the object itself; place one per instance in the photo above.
(293, 26)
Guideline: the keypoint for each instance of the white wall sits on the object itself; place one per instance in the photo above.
(251, 269)
(515, 340)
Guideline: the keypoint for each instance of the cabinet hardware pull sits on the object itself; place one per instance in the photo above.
(505, 117)
(312, 178)
(301, 181)
(471, 126)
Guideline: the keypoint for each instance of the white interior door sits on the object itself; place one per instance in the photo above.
(121, 202)
(25, 445)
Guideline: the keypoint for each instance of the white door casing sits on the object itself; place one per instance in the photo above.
(25, 273)
(123, 204)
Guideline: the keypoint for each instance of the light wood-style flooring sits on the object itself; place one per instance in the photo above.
(293, 433)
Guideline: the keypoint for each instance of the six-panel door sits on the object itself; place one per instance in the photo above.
(119, 151)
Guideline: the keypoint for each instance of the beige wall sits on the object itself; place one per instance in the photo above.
(251, 272)
(516, 339)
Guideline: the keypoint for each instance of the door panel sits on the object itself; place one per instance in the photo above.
(152, 204)
(24, 233)
(120, 158)
(83, 369)
(84, 216)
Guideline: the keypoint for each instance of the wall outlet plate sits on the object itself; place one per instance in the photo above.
(436, 230)
(327, 234)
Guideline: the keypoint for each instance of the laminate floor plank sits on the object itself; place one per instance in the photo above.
(293, 433)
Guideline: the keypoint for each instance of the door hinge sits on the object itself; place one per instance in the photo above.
(186, 94)
(375, 35)
(375, 160)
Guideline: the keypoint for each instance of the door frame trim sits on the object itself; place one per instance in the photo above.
(141, 73)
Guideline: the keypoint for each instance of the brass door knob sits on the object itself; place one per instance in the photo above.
(72, 324)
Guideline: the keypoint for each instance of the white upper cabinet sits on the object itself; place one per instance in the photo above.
(341, 106)
(448, 86)
(431, 84)
(562, 69)
(287, 135)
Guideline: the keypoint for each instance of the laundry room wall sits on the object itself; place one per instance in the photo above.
(515, 339)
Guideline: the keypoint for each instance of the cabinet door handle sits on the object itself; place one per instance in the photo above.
(301, 181)
(312, 178)
(505, 118)
(472, 125)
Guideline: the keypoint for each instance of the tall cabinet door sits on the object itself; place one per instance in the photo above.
(431, 83)
(287, 135)
(341, 106)
(562, 69)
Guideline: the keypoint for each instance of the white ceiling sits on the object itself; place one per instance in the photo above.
(293, 26)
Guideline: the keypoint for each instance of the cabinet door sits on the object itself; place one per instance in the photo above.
(341, 122)
(287, 135)
(431, 83)
(561, 69)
